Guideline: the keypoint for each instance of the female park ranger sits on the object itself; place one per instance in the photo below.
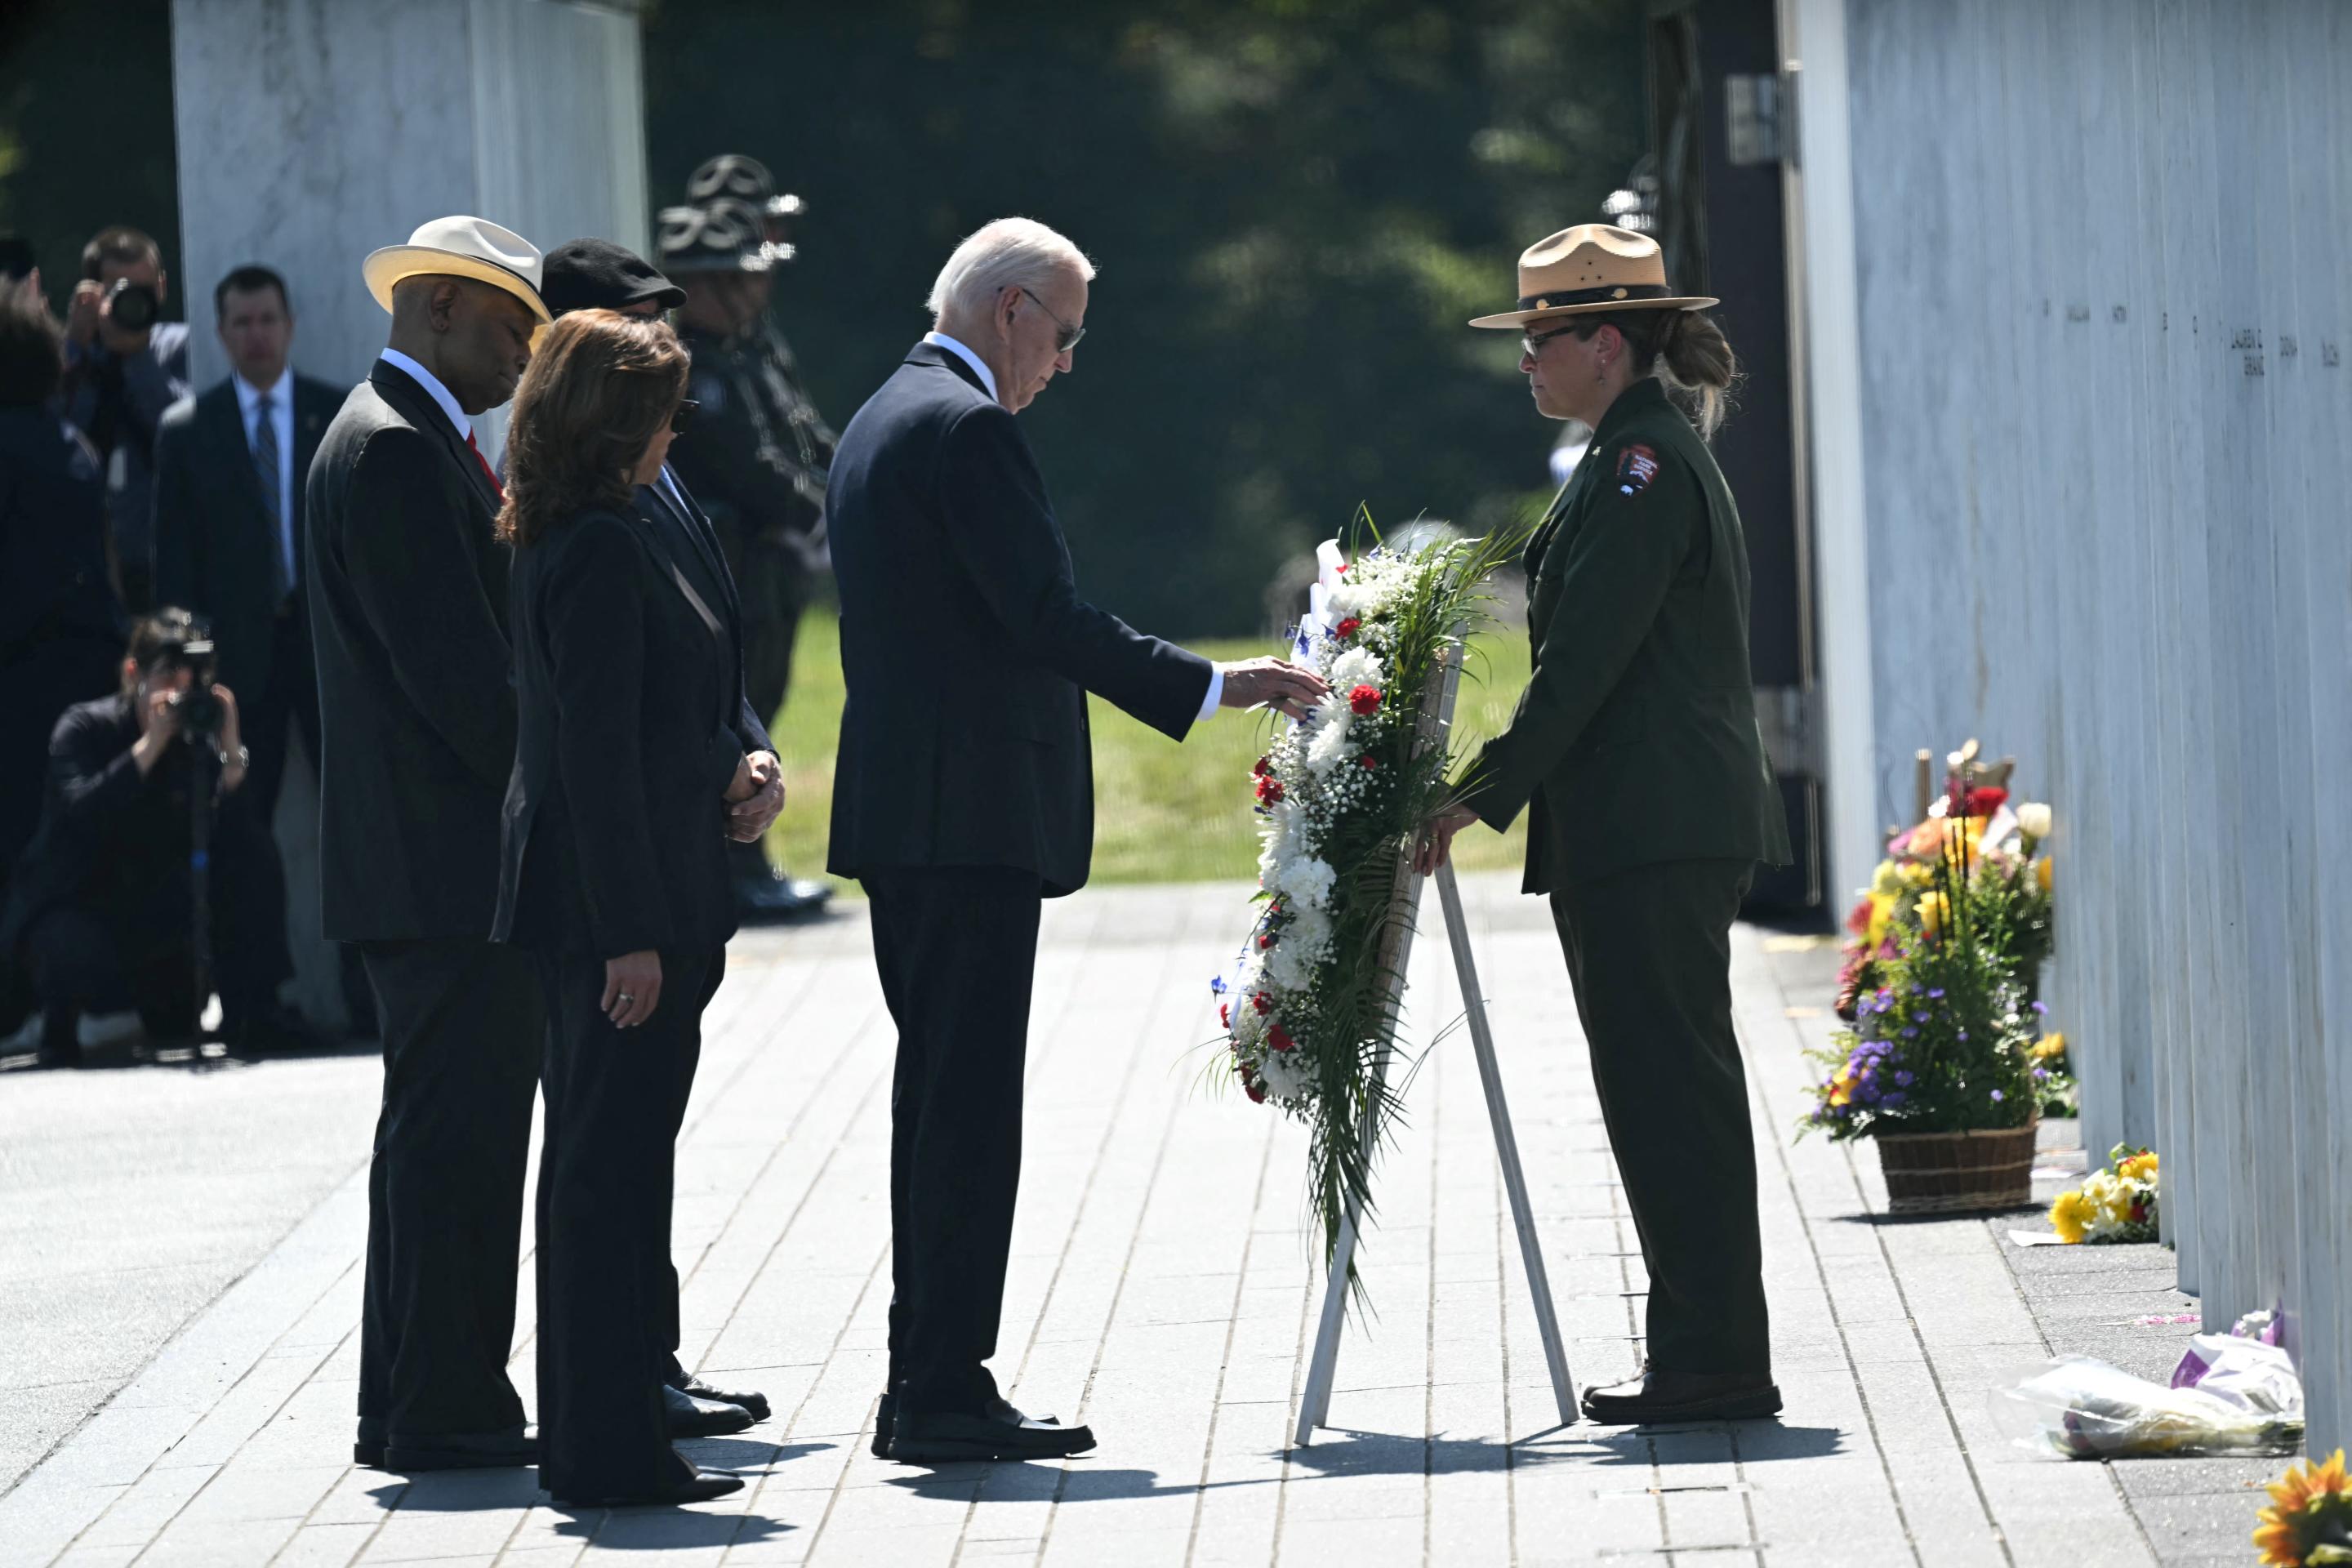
(1635, 750)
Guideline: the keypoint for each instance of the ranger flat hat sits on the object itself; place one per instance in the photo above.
(746, 179)
(722, 234)
(460, 247)
(1592, 267)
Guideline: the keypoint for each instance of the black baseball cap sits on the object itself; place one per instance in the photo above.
(596, 274)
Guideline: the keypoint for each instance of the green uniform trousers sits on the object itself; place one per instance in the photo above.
(1649, 953)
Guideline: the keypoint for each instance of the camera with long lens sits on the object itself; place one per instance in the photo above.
(200, 712)
(132, 307)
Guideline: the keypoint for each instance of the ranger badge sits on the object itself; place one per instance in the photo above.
(1636, 466)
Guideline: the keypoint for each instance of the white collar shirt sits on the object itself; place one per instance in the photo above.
(433, 389)
(979, 366)
(281, 420)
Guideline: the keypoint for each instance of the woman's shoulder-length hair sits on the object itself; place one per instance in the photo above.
(600, 386)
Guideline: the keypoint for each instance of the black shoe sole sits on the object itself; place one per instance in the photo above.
(709, 1426)
(706, 1490)
(404, 1460)
(1735, 1407)
(952, 1451)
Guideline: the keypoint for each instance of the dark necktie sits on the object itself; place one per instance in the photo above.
(488, 472)
(273, 502)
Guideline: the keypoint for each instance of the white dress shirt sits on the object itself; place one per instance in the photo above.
(988, 380)
(433, 387)
(281, 419)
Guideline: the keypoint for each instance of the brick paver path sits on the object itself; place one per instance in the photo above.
(1162, 1290)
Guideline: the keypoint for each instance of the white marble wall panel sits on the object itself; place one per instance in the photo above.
(2104, 426)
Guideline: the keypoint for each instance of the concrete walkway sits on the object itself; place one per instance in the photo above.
(1162, 1290)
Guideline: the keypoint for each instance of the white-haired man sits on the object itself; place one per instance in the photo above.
(963, 794)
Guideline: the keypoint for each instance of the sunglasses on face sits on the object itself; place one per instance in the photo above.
(1069, 336)
(683, 415)
(1532, 343)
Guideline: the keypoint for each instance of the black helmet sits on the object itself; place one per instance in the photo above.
(724, 235)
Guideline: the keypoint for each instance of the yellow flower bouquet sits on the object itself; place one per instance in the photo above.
(2309, 1521)
(2114, 1204)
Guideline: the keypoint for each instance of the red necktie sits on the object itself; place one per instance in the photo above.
(488, 472)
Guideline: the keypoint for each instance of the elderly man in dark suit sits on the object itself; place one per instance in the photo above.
(964, 790)
(408, 610)
(230, 469)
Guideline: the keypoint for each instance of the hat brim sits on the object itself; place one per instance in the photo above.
(387, 267)
(1510, 319)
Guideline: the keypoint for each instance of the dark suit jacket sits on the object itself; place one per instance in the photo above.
(408, 618)
(655, 507)
(1636, 739)
(631, 701)
(213, 535)
(53, 576)
(965, 646)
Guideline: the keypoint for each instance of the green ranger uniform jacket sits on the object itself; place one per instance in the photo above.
(759, 452)
(1636, 740)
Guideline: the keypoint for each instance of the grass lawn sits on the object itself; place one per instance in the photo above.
(1164, 811)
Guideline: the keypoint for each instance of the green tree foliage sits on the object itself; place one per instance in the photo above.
(1295, 206)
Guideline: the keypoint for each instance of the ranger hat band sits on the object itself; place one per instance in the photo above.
(722, 235)
(460, 247)
(1593, 268)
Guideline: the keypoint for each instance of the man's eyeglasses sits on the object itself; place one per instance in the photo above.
(683, 415)
(1070, 335)
(1531, 343)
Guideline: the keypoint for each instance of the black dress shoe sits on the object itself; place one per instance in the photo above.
(937, 1439)
(886, 1418)
(691, 1382)
(686, 1415)
(771, 897)
(702, 1487)
(403, 1452)
(1658, 1397)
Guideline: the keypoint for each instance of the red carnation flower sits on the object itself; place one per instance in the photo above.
(1264, 765)
(1364, 698)
(1366, 763)
(1224, 1014)
(1269, 790)
(1347, 627)
(1254, 1090)
(1258, 1000)
(1280, 1039)
(1266, 939)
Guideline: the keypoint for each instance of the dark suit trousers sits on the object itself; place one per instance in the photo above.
(957, 949)
(607, 1294)
(270, 715)
(463, 1030)
(1649, 951)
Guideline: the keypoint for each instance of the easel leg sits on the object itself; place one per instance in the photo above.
(1314, 1404)
(1506, 1146)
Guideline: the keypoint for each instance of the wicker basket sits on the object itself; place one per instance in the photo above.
(1959, 1172)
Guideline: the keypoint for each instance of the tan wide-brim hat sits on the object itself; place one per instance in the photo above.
(1592, 267)
(460, 247)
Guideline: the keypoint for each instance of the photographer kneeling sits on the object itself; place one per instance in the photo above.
(106, 911)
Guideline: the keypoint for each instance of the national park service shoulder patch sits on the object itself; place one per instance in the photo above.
(1636, 465)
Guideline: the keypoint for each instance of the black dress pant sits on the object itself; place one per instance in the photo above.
(607, 1292)
(1649, 951)
(957, 949)
(269, 716)
(37, 683)
(463, 1031)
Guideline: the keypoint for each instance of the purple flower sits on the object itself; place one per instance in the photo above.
(1962, 1034)
(1903, 1078)
(1870, 1093)
(2039, 1007)
(1909, 1032)
(2039, 1074)
(1936, 995)
(1890, 1100)
(1996, 1097)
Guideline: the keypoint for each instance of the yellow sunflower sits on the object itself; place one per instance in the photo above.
(2070, 1216)
(2311, 1515)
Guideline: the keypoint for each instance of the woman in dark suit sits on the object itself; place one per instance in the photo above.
(614, 872)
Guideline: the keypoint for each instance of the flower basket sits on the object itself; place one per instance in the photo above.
(1958, 1173)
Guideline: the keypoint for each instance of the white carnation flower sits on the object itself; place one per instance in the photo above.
(1329, 748)
(1307, 882)
(1357, 667)
(1285, 1076)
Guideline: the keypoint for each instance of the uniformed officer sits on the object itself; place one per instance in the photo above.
(759, 459)
(1636, 751)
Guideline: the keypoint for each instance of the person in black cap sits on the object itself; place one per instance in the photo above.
(759, 459)
(596, 274)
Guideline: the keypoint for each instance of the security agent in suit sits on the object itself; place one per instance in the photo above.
(229, 470)
(758, 460)
(963, 793)
(596, 274)
(615, 875)
(408, 589)
(1636, 752)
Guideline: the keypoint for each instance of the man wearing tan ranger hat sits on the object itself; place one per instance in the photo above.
(1635, 751)
(408, 614)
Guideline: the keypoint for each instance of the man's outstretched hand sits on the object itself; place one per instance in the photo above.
(1434, 844)
(1272, 683)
